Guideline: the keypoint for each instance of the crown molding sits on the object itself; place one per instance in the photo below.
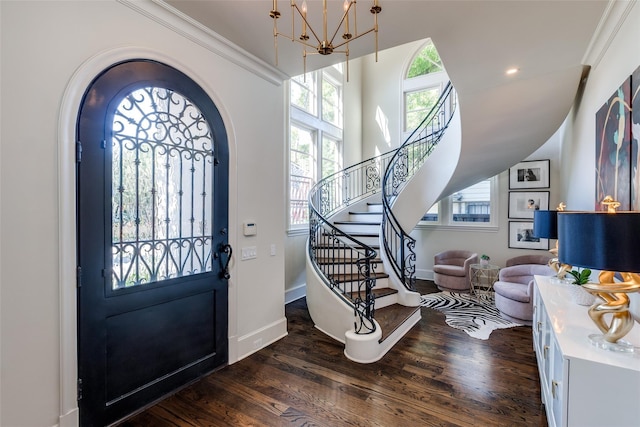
(181, 24)
(610, 23)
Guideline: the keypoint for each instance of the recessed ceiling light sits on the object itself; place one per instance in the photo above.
(511, 71)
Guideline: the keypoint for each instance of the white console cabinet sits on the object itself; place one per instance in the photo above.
(581, 384)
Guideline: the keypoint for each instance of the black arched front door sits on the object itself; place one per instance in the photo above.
(152, 198)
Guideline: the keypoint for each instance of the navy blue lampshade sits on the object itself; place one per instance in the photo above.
(600, 240)
(545, 224)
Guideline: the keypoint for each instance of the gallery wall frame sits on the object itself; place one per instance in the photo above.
(522, 204)
(635, 140)
(613, 148)
(529, 174)
(521, 236)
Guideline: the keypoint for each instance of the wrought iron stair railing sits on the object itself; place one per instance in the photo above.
(328, 244)
(406, 160)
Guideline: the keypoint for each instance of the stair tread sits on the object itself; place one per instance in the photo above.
(377, 293)
(391, 317)
(342, 278)
(357, 223)
(364, 213)
(328, 246)
(363, 234)
(343, 260)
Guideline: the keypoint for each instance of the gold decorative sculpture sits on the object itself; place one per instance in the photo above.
(614, 301)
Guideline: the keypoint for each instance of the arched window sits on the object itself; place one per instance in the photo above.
(424, 80)
(425, 62)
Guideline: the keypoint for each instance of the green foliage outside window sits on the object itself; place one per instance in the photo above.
(427, 61)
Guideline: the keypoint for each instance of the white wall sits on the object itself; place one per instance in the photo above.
(614, 57)
(43, 45)
(382, 99)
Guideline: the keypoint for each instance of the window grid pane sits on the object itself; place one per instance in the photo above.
(426, 62)
(331, 110)
(301, 174)
(331, 156)
(417, 106)
(304, 93)
(472, 204)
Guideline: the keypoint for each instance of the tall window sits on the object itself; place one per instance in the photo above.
(315, 136)
(425, 79)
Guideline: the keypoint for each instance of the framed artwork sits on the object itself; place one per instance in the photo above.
(522, 204)
(613, 148)
(521, 236)
(635, 140)
(529, 174)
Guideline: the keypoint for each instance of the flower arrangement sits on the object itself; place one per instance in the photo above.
(484, 259)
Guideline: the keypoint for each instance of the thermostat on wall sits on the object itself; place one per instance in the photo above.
(250, 229)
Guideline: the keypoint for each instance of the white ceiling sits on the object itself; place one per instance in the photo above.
(477, 41)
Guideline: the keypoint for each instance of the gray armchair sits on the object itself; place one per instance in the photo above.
(514, 291)
(451, 270)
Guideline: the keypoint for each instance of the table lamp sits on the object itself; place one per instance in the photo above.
(545, 225)
(606, 241)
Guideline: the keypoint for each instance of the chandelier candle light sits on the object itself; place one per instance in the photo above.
(324, 45)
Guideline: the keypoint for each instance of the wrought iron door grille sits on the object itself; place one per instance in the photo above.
(162, 188)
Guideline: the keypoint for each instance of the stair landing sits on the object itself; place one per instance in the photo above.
(391, 317)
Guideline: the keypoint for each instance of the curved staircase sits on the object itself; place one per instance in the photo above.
(360, 260)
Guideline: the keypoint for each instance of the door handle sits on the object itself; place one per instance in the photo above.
(224, 269)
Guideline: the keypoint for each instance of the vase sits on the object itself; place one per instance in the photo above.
(580, 296)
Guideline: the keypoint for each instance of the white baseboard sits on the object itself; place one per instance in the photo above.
(295, 293)
(70, 419)
(424, 274)
(250, 343)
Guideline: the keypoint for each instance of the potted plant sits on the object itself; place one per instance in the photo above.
(484, 260)
(578, 294)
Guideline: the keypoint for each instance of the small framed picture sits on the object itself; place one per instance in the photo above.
(521, 236)
(522, 204)
(529, 174)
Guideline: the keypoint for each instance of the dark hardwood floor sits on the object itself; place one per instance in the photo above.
(435, 376)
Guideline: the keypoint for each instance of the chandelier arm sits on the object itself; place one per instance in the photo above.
(288, 37)
(354, 38)
(344, 15)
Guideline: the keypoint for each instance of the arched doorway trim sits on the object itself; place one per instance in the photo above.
(69, 108)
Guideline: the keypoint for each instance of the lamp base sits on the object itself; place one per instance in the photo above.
(620, 346)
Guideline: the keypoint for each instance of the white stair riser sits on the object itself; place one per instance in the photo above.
(368, 240)
(359, 228)
(365, 217)
(386, 300)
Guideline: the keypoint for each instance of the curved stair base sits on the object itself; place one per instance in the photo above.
(369, 348)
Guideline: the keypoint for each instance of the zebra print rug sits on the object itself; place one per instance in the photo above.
(476, 315)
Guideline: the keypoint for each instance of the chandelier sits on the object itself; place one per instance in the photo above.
(321, 43)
